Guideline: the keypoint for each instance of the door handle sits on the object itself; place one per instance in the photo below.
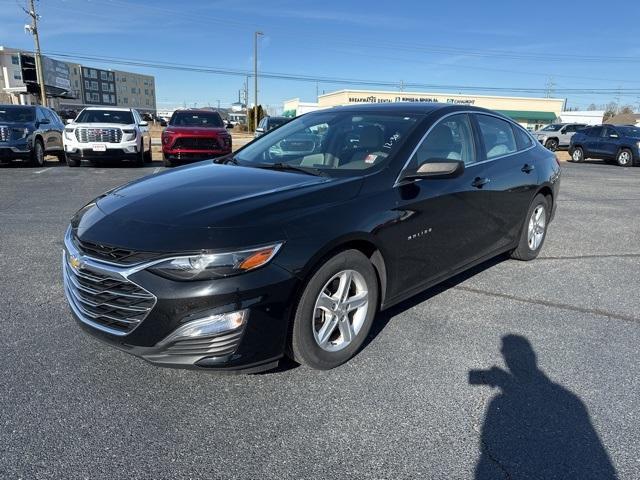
(528, 168)
(479, 182)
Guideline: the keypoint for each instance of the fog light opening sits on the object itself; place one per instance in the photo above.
(209, 326)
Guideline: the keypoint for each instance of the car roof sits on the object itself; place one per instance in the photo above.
(119, 109)
(412, 107)
(198, 110)
(17, 106)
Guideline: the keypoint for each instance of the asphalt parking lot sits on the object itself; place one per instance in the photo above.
(406, 407)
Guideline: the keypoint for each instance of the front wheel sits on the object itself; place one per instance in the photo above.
(335, 312)
(37, 154)
(624, 158)
(72, 162)
(534, 230)
(166, 161)
(551, 144)
(577, 155)
(148, 155)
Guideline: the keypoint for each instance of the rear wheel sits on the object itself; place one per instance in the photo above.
(551, 144)
(335, 312)
(577, 155)
(37, 154)
(534, 230)
(624, 158)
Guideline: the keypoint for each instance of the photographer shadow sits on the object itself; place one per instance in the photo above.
(535, 428)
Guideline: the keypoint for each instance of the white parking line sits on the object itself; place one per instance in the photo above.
(41, 171)
(157, 169)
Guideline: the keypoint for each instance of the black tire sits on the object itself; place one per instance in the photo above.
(37, 154)
(139, 161)
(303, 346)
(166, 161)
(524, 250)
(551, 144)
(577, 155)
(624, 158)
(148, 158)
(72, 162)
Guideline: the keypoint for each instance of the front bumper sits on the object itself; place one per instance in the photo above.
(129, 150)
(266, 294)
(15, 151)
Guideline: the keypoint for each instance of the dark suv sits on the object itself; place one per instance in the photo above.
(611, 143)
(28, 133)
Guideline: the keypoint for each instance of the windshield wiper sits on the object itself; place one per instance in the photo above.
(293, 168)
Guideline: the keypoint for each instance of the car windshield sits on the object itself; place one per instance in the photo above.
(123, 117)
(551, 128)
(331, 142)
(17, 114)
(630, 131)
(196, 119)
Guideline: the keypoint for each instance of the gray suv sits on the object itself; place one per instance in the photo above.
(558, 135)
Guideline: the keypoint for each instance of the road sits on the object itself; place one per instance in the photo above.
(403, 408)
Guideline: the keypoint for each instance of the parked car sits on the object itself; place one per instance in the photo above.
(28, 133)
(558, 135)
(193, 135)
(107, 134)
(272, 251)
(269, 123)
(611, 143)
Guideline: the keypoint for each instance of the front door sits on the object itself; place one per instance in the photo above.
(439, 225)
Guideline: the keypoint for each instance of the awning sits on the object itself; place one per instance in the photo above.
(289, 113)
(529, 115)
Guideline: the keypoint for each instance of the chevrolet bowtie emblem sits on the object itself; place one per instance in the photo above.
(74, 262)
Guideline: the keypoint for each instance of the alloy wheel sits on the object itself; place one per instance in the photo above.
(624, 158)
(340, 310)
(577, 155)
(537, 224)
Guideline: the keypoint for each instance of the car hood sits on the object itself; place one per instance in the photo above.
(28, 125)
(103, 125)
(206, 205)
(198, 131)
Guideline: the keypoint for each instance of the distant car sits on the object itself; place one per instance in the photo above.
(193, 135)
(611, 143)
(557, 135)
(269, 123)
(28, 133)
(106, 134)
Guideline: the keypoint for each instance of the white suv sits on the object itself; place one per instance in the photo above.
(102, 134)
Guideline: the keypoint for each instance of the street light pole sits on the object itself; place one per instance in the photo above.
(38, 58)
(255, 79)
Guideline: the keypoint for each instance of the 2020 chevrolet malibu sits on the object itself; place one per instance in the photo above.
(291, 245)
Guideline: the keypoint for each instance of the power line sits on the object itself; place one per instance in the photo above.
(337, 80)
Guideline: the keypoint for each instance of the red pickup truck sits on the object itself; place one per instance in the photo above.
(194, 134)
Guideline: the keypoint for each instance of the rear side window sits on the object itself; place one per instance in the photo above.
(595, 132)
(450, 139)
(523, 139)
(497, 135)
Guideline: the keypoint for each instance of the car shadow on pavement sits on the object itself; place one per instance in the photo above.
(534, 427)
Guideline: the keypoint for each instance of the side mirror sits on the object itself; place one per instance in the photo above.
(44, 121)
(436, 168)
(69, 121)
(143, 123)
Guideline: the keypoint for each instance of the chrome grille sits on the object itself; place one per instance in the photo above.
(4, 134)
(216, 346)
(105, 135)
(108, 302)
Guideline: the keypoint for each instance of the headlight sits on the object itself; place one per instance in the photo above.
(20, 132)
(68, 133)
(128, 135)
(215, 265)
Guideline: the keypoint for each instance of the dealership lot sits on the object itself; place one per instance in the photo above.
(402, 408)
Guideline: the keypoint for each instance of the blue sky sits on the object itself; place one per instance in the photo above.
(440, 43)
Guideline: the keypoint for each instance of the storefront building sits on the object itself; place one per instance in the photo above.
(531, 113)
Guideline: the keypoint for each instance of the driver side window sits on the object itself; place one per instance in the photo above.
(450, 139)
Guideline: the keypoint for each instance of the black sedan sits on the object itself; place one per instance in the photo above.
(292, 245)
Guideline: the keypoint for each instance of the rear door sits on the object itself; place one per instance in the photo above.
(591, 141)
(45, 125)
(55, 130)
(513, 176)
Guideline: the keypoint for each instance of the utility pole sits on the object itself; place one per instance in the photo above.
(255, 78)
(402, 85)
(33, 29)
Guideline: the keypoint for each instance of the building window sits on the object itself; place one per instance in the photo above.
(147, 101)
(15, 59)
(88, 96)
(133, 90)
(105, 98)
(103, 76)
(95, 97)
(85, 72)
(77, 83)
(75, 71)
(146, 91)
(17, 75)
(94, 85)
(93, 73)
(124, 79)
(126, 101)
(113, 99)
